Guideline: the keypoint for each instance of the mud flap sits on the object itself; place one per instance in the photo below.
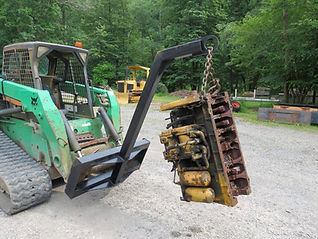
(115, 171)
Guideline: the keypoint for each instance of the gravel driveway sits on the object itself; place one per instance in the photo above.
(282, 165)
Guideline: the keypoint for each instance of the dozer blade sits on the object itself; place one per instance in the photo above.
(122, 98)
(115, 171)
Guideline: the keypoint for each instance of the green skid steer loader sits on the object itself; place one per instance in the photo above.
(55, 124)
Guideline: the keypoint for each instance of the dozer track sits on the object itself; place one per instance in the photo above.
(23, 182)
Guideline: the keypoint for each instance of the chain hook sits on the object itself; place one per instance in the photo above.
(208, 75)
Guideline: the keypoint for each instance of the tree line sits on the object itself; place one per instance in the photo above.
(271, 43)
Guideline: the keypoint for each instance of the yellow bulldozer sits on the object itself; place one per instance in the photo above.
(129, 90)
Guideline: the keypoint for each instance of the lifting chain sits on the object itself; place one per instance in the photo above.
(208, 75)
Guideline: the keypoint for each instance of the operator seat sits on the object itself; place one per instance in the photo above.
(51, 84)
(138, 81)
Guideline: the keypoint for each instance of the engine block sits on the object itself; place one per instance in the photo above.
(201, 141)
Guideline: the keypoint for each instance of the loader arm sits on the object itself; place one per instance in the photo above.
(125, 159)
(39, 102)
(162, 60)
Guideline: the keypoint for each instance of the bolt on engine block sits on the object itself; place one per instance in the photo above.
(202, 143)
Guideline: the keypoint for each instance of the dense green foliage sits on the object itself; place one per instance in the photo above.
(276, 46)
(162, 88)
(271, 43)
(103, 74)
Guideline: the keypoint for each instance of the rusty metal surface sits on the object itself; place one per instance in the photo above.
(12, 101)
(284, 105)
(93, 142)
(227, 137)
(284, 115)
(296, 107)
(88, 139)
(212, 119)
(84, 137)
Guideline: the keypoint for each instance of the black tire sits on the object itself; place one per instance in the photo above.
(23, 182)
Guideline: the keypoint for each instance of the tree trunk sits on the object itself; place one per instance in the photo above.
(231, 81)
(116, 71)
(286, 92)
(254, 83)
(244, 82)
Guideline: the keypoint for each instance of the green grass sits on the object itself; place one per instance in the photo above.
(252, 106)
(164, 98)
(249, 112)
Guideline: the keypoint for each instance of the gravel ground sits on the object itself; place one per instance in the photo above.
(282, 165)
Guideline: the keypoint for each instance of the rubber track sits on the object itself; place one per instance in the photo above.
(27, 181)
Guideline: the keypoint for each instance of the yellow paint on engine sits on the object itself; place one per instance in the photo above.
(225, 197)
(183, 138)
(199, 194)
(189, 100)
(195, 178)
